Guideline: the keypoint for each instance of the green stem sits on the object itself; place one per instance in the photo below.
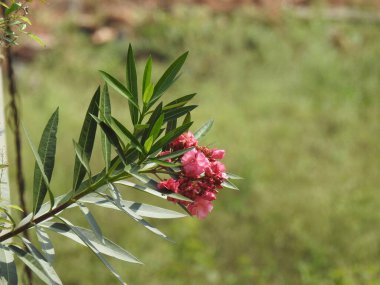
(63, 206)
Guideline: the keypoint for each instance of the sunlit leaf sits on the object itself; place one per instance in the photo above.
(8, 272)
(143, 210)
(92, 222)
(93, 248)
(107, 248)
(30, 261)
(46, 244)
(46, 266)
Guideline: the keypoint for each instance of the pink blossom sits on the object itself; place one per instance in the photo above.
(186, 140)
(217, 153)
(169, 184)
(194, 163)
(200, 208)
(217, 170)
(210, 196)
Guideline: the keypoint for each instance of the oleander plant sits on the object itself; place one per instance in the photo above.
(159, 155)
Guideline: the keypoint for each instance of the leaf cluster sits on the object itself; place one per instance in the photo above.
(130, 154)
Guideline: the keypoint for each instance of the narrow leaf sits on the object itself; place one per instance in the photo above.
(132, 84)
(133, 215)
(169, 137)
(120, 88)
(151, 190)
(168, 77)
(176, 113)
(46, 244)
(8, 272)
(91, 246)
(81, 156)
(86, 141)
(46, 266)
(230, 185)
(123, 133)
(92, 222)
(30, 261)
(108, 248)
(233, 176)
(179, 102)
(45, 158)
(143, 210)
(202, 131)
(147, 76)
(105, 115)
(148, 92)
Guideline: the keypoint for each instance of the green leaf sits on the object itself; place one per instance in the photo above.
(133, 215)
(105, 115)
(45, 265)
(157, 127)
(147, 95)
(92, 247)
(132, 84)
(230, 185)
(147, 77)
(92, 222)
(123, 133)
(46, 244)
(202, 131)
(120, 88)
(108, 247)
(143, 210)
(171, 125)
(151, 190)
(86, 140)
(152, 119)
(169, 137)
(164, 163)
(81, 156)
(176, 113)
(179, 102)
(113, 139)
(174, 154)
(8, 272)
(13, 8)
(148, 143)
(45, 158)
(168, 77)
(30, 261)
(187, 119)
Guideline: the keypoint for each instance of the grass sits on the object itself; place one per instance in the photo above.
(296, 106)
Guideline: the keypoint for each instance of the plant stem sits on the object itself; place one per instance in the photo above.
(60, 208)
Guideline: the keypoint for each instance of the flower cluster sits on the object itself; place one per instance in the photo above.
(201, 176)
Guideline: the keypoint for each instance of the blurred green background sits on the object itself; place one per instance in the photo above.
(296, 104)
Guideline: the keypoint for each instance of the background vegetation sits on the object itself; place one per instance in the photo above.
(296, 105)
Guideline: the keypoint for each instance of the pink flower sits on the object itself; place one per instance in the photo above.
(169, 184)
(200, 208)
(217, 153)
(186, 140)
(194, 163)
(217, 170)
(209, 196)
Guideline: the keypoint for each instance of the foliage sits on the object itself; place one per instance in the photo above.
(137, 155)
(14, 22)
